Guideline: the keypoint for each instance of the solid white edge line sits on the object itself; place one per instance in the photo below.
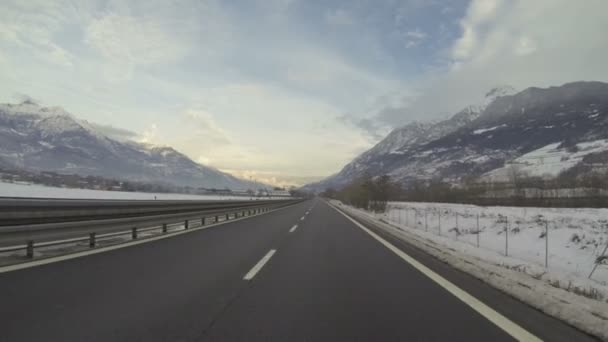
(50, 260)
(259, 265)
(490, 314)
(295, 226)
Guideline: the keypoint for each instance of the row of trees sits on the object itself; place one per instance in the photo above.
(568, 189)
(366, 192)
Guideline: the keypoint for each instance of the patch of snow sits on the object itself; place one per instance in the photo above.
(549, 160)
(41, 191)
(46, 144)
(483, 130)
(576, 236)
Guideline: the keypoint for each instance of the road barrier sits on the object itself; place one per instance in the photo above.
(26, 224)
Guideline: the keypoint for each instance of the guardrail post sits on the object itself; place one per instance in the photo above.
(186, 224)
(29, 252)
(164, 228)
(217, 219)
(227, 217)
(92, 241)
(202, 221)
(134, 233)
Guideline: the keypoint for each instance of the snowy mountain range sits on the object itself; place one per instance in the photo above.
(541, 131)
(39, 138)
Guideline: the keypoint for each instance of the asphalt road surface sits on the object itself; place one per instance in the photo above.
(259, 279)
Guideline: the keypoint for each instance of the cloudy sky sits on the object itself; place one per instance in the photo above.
(287, 91)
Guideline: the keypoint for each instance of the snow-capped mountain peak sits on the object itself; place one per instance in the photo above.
(486, 137)
(39, 138)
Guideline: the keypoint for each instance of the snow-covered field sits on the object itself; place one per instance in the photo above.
(575, 299)
(41, 191)
(576, 237)
(549, 160)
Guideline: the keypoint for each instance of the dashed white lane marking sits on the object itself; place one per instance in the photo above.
(302, 218)
(259, 265)
(293, 229)
(499, 320)
(50, 260)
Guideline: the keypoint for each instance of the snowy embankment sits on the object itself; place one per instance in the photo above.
(41, 191)
(567, 240)
(561, 290)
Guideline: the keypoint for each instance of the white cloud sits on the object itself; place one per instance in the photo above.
(324, 72)
(525, 46)
(416, 34)
(207, 128)
(414, 38)
(127, 42)
(521, 43)
(30, 25)
(478, 14)
(150, 135)
(339, 17)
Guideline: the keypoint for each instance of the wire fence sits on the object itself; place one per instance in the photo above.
(529, 238)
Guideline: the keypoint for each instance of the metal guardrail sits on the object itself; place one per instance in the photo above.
(80, 220)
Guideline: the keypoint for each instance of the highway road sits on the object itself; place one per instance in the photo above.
(282, 276)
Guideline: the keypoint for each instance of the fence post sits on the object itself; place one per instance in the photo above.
(439, 225)
(456, 231)
(546, 244)
(407, 217)
(29, 252)
(506, 236)
(399, 216)
(478, 231)
(597, 260)
(92, 241)
(164, 228)
(134, 233)
(426, 225)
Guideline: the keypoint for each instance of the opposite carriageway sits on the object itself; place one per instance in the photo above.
(27, 223)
